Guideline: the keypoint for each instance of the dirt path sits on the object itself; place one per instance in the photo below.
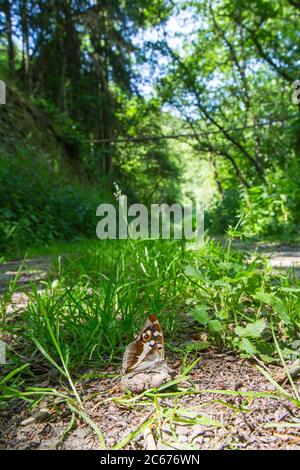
(37, 269)
(33, 270)
(283, 257)
(280, 256)
(23, 274)
(200, 419)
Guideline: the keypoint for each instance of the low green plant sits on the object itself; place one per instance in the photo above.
(238, 297)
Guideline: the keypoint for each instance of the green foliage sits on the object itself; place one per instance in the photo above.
(39, 204)
(270, 209)
(273, 208)
(238, 302)
(235, 95)
(64, 127)
(147, 171)
(223, 212)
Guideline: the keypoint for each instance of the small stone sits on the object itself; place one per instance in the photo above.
(139, 381)
(199, 440)
(230, 358)
(182, 430)
(81, 433)
(222, 432)
(27, 421)
(195, 431)
(38, 416)
(166, 429)
(237, 385)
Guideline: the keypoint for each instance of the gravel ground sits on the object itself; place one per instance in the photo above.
(235, 422)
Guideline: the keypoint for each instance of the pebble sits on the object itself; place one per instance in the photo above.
(182, 439)
(39, 416)
(199, 440)
(230, 358)
(182, 430)
(222, 432)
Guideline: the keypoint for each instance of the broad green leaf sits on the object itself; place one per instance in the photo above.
(252, 330)
(264, 297)
(255, 330)
(200, 314)
(246, 346)
(239, 331)
(193, 272)
(276, 303)
(215, 326)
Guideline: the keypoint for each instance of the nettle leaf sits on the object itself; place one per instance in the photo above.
(239, 331)
(277, 305)
(255, 330)
(200, 314)
(215, 326)
(193, 272)
(252, 330)
(247, 346)
(264, 297)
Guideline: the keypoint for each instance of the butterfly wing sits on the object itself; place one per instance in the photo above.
(147, 349)
(157, 335)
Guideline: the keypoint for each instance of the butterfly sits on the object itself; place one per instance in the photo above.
(147, 351)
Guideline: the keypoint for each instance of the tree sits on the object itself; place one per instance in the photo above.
(7, 8)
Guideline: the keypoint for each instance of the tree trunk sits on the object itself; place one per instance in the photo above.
(10, 44)
(25, 40)
(100, 43)
(216, 176)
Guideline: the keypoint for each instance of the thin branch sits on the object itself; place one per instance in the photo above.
(147, 138)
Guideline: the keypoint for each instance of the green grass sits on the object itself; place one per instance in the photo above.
(103, 291)
(76, 247)
(103, 295)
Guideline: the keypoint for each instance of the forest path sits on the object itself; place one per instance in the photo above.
(20, 275)
(32, 270)
(36, 269)
(282, 257)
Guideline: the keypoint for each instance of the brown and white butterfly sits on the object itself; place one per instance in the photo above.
(147, 351)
